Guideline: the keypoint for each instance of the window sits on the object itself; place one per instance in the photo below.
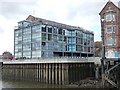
(36, 54)
(44, 29)
(44, 36)
(71, 40)
(49, 36)
(27, 54)
(71, 48)
(111, 41)
(36, 46)
(60, 38)
(55, 37)
(49, 29)
(26, 24)
(110, 16)
(55, 30)
(78, 48)
(60, 31)
(64, 32)
(110, 29)
(85, 35)
(43, 43)
(19, 24)
(72, 33)
(85, 42)
(35, 29)
(26, 47)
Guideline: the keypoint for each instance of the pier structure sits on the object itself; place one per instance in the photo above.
(60, 71)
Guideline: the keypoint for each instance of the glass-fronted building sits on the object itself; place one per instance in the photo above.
(40, 38)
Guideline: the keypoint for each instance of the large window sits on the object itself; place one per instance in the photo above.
(36, 29)
(71, 40)
(60, 38)
(110, 29)
(43, 28)
(72, 33)
(24, 24)
(111, 41)
(72, 48)
(26, 47)
(43, 36)
(79, 48)
(49, 36)
(60, 31)
(49, 29)
(36, 46)
(18, 33)
(36, 54)
(27, 54)
(55, 30)
(110, 16)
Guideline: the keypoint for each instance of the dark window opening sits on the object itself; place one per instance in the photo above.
(60, 31)
(49, 36)
(43, 29)
(43, 43)
(49, 30)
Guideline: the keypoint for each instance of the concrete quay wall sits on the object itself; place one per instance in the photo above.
(50, 72)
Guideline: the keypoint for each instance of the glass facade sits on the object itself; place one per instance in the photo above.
(45, 41)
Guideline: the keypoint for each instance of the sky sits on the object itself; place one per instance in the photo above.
(82, 13)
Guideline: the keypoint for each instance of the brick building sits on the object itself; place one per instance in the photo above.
(110, 27)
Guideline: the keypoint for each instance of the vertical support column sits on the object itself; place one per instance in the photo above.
(63, 81)
(53, 73)
(56, 74)
(66, 73)
(22, 72)
(50, 73)
(38, 72)
(60, 74)
(42, 72)
(46, 74)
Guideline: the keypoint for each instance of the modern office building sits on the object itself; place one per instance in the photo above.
(110, 29)
(40, 38)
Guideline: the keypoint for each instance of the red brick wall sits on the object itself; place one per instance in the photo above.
(117, 23)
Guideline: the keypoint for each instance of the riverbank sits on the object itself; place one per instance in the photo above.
(91, 83)
(87, 84)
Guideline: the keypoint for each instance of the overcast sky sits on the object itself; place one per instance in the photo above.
(82, 13)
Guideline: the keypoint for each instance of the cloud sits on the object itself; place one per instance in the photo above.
(81, 13)
(14, 9)
(1, 30)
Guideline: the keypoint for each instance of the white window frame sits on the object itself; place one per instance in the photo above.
(112, 27)
(109, 17)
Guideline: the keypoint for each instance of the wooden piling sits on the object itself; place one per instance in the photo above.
(49, 73)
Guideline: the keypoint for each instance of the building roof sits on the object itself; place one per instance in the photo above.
(56, 24)
(109, 2)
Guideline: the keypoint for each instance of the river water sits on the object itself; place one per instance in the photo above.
(18, 85)
(25, 84)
